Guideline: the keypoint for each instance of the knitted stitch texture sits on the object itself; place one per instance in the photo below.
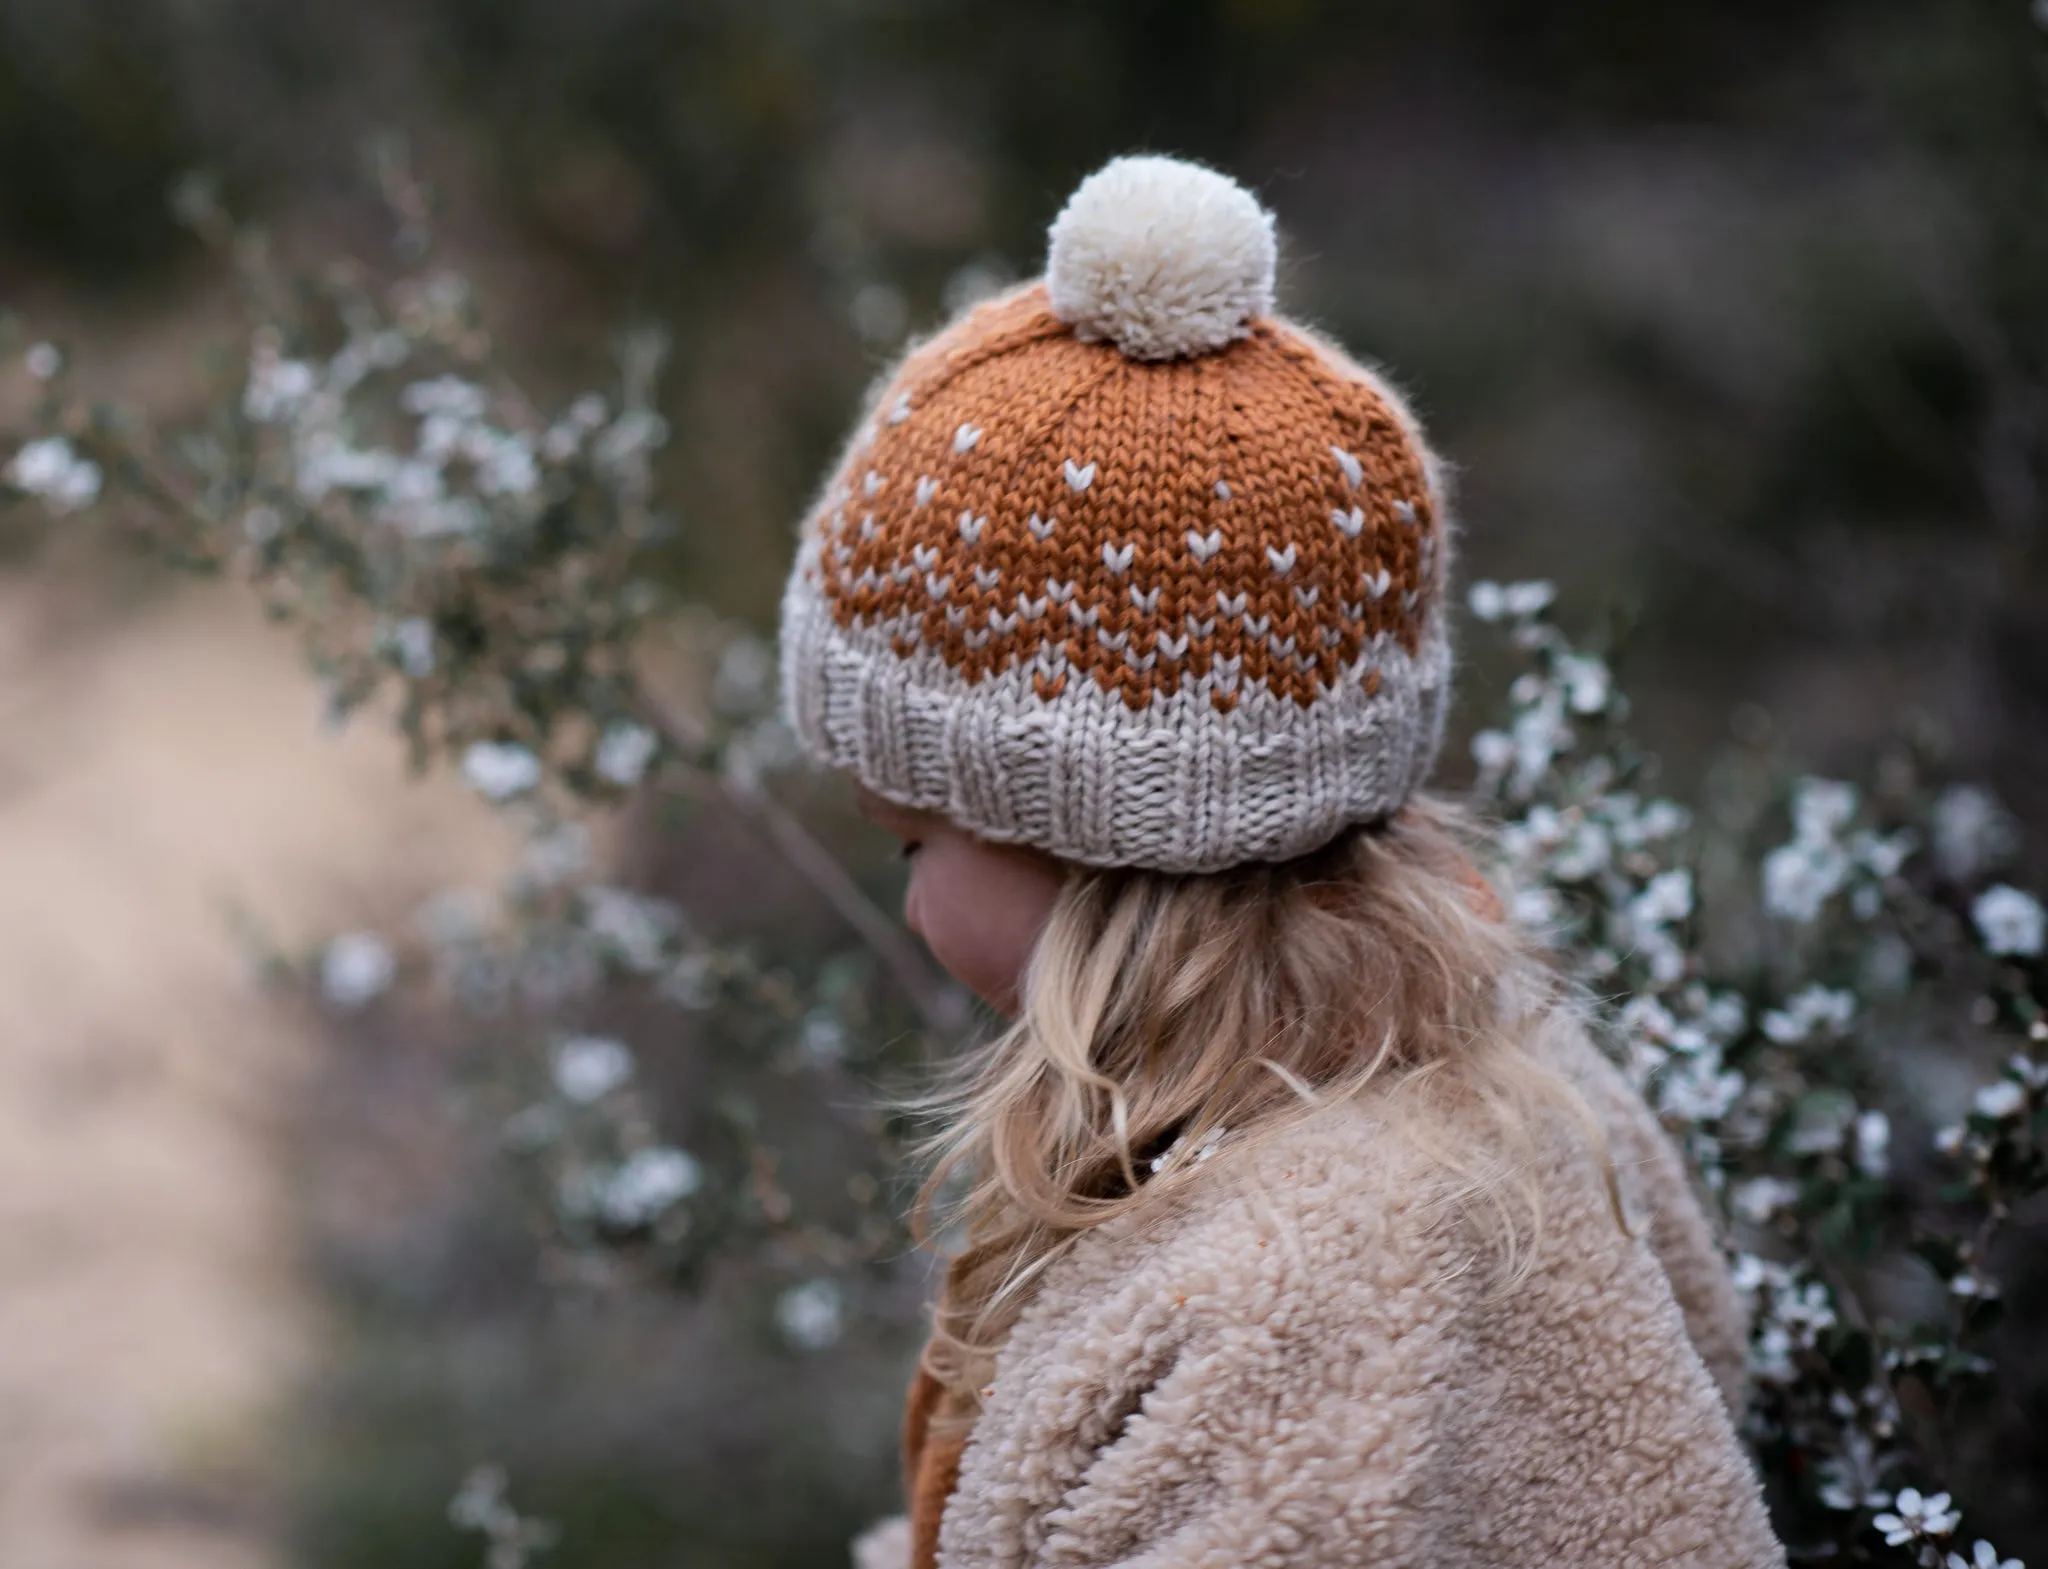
(1179, 613)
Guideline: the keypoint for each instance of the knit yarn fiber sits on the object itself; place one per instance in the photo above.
(1125, 567)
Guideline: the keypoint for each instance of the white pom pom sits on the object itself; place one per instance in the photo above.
(1162, 258)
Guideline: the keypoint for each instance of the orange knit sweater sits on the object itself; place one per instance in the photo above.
(931, 1468)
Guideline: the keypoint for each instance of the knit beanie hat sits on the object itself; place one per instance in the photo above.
(1125, 567)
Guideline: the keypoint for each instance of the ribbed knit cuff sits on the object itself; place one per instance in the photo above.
(1175, 786)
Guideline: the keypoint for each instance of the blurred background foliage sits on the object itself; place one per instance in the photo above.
(1731, 315)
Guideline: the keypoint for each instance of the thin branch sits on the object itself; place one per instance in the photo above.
(941, 1007)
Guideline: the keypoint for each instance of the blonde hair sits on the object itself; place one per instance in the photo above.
(1159, 1007)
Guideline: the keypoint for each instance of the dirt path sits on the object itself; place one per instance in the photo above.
(155, 764)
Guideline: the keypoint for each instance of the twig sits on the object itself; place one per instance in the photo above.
(942, 1009)
(939, 1005)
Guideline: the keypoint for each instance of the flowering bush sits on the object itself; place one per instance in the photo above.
(476, 567)
(1761, 1024)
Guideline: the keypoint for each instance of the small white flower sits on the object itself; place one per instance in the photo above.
(44, 361)
(1649, 1019)
(1655, 822)
(2010, 922)
(1913, 1517)
(1873, 1143)
(1751, 1273)
(277, 389)
(1822, 1126)
(2000, 1099)
(639, 928)
(1492, 751)
(51, 470)
(565, 437)
(1800, 878)
(325, 463)
(691, 982)
(1760, 1199)
(413, 641)
(1821, 809)
(1816, 1009)
(449, 395)
(500, 770)
(1666, 898)
(1807, 1311)
(1724, 1015)
(1528, 599)
(356, 969)
(624, 753)
(1985, 1556)
(1584, 854)
(1586, 682)
(589, 1067)
(1882, 855)
(650, 1182)
(1971, 832)
(811, 1316)
(1487, 601)
(505, 465)
(1536, 909)
(480, 1503)
(823, 1036)
(1699, 1091)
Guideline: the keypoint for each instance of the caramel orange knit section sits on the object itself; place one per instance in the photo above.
(1255, 515)
(931, 1467)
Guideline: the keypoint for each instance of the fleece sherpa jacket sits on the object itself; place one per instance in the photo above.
(1297, 1362)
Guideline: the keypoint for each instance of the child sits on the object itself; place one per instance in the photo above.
(1302, 1224)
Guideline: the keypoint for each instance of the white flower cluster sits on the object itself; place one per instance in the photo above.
(1820, 860)
(1565, 683)
(1760, 1200)
(1817, 1013)
(1604, 846)
(500, 770)
(51, 469)
(462, 467)
(1755, 1102)
(635, 931)
(1997, 1110)
(647, 1184)
(1790, 1311)
(483, 1506)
